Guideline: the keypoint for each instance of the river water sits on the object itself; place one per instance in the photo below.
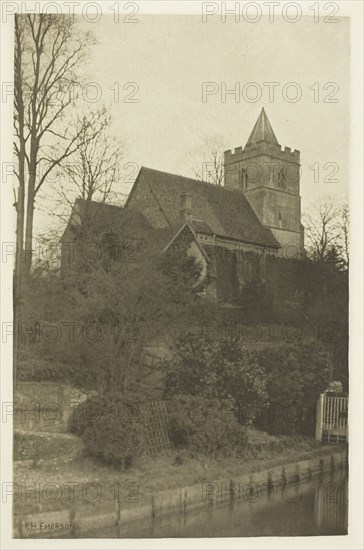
(314, 508)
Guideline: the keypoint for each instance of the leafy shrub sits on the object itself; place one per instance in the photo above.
(89, 317)
(257, 300)
(198, 429)
(296, 375)
(215, 370)
(111, 428)
(84, 414)
(276, 388)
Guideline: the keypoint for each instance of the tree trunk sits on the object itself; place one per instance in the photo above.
(18, 278)
(34, 147)
(18, 272)
(28, 251)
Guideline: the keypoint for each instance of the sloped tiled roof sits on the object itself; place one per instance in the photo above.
(126, 223)
(202, 227)
(107, 217)
(156, 241)
(226, 212)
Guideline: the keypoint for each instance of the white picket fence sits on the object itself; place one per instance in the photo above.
(332, 418)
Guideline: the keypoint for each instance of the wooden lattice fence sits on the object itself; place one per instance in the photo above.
(156, 427)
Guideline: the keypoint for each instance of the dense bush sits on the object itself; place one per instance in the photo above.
(199, 427)
(215, 370)
(257, 301)
(111, 428)
(105, 316)
(296, 375)
(275, 388)
(85, 413)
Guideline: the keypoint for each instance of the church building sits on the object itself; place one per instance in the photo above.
(234, 231)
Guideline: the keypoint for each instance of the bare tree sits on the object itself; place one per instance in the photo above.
(92, 170)
(48, 49)
(208, 163)
(343, 226)
(327, 231)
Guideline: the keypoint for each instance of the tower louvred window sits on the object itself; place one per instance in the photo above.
(281, 178)
(244, 178)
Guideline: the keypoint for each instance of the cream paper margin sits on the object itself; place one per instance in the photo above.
(354, 540)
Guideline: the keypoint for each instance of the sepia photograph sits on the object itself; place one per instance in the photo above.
(181, 234)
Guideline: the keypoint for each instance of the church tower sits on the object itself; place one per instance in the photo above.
(269, 177)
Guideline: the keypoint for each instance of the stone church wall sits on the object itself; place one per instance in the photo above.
(234, 273)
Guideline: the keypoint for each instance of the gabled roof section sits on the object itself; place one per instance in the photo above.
(201, 227)
(187, 228)
(103, 217)
(262, 131)
(127, 223)
(225, 212)
(157, 241)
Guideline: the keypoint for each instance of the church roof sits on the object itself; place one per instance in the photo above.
(126, 223)
(224, 212)
(262, 131)
(201, 227)
(157, 241)
(104, 217)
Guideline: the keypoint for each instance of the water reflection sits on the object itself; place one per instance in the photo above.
(331, 507)
(319, 507)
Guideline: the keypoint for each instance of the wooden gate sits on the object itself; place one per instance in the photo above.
(332, 418)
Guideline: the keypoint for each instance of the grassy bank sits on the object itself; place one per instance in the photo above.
(148, 476)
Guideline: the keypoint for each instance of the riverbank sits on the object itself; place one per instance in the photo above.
(315, 507)
(61, 490)
(78, 520)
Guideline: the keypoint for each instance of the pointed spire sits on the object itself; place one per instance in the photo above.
(262, 131)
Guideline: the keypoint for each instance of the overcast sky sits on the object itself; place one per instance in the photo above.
(169, 57)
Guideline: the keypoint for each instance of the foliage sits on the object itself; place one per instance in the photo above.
(215, 369)
(48, 50)
(325, 304)
(282, 379)
(100, 321)
(296, 375)
(257, 300)
(111, 427)
(198, 429)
